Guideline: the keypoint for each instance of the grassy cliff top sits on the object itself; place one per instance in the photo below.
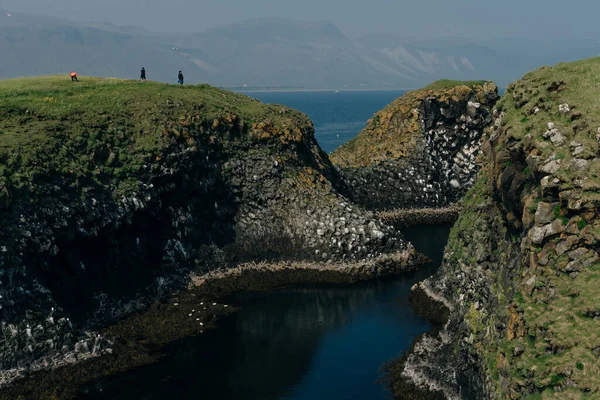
(392, 133)
(35, 101)
(103, 126)
(443, 84)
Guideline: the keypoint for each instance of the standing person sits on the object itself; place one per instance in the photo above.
(74, 76)
(180, 78)
(143, 74)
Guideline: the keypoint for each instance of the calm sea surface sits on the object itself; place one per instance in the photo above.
(307, 343)
(338, 117)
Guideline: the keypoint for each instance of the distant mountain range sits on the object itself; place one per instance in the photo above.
(269, 53)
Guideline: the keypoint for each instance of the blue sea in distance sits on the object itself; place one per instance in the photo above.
(338, 117)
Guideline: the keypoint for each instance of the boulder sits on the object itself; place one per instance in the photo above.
(564, 108)
(578, 164)
(538, 234)
(557, 139)
(544, 213)
(551, 167)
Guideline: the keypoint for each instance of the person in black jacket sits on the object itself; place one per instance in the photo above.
(180, 78)
(143, 74)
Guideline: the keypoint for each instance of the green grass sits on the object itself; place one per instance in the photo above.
(104, 130)
(556, 211)
(557, 379)
(448, 84)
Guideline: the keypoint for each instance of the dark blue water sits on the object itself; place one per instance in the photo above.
(310, 343)
(338, 117)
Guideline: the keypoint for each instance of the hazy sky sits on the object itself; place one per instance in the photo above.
(481, 18)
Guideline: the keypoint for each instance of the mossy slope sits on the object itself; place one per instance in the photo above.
(522, 268)
(547, 143)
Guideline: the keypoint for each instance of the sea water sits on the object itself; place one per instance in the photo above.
(338, 117)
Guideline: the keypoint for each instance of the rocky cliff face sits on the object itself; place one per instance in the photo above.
(520, 275)
(113, 192)
(421, 150)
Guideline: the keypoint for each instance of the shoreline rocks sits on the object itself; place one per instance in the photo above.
(436, 309)
(406, 218)
(293, 273)
(185, 313)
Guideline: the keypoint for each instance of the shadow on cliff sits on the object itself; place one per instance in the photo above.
(189, 223)
(149, 253)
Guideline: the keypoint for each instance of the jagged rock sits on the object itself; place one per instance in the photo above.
(428, 305)
(551, 132)
(551, 167)
(530, 283)
(426, 145)
(472, 108)
(537, 234)
(577, 266)
(573, 199)
(518, 350)
(562, 247)
(578, 164)
(544, 213)
(577, 254)
(556, 86)
(578, 150)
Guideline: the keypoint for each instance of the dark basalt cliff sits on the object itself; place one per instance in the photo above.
(521, 271)
(113, 192)
(419, 151)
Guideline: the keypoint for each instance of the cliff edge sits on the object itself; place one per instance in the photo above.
(521, 270)
(113, 193)
(420, 150)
